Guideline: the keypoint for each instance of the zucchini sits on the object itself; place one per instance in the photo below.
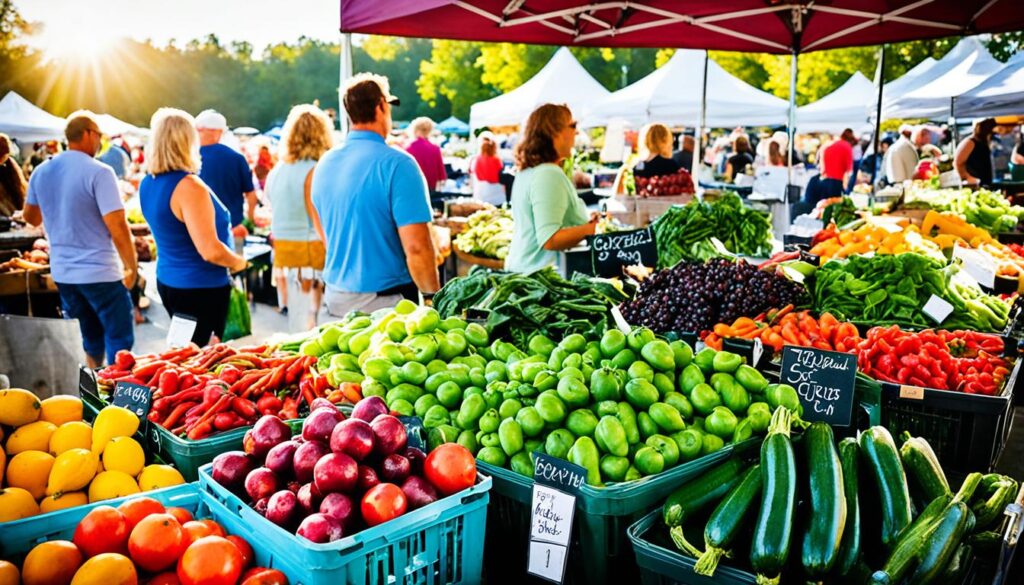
(774, 527)
(923, 467)
(989, 510)
(849, 549)
(957, 566)
(701, 492)
(987, 541)
(828, 501)
(878, 448)
(726, 521)
(904, 554)
(941, 543)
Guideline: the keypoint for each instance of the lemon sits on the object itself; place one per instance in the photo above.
(30, 470)
(112, 484)
(63, 501)
(124, 454)
(61, 409)
(72, 471)
(18, 407)
(16, 503)
(31, 437)
(70, 435)
(159, 476)
(112, 421)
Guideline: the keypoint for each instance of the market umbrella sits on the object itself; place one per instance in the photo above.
(453, 125)
(849, 106)
(1001, 94)
(25, 122)
(562, 81)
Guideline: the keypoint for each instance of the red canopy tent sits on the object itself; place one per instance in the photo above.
(774, 26)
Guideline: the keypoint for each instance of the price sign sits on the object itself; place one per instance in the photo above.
(824, 380)
(180, 332)
(978, 265)
(134, 397)
(556, 485)
(610, 253)
(937, 308)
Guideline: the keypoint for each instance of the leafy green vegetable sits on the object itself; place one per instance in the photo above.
(742, 230)
(488, 233)
(519, 305)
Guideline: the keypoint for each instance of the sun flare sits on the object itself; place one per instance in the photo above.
(78, 35)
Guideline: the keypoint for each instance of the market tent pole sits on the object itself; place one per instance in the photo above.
(878, 116)
(345, 72)
(791, 125)
(698, 134)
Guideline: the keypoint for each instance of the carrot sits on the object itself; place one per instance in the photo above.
(775, 340)
(829, 325)
(713, 341)
(790, 334)
(351, 392)
(782, 312)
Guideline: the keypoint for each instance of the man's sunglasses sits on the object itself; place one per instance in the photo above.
(394, 101)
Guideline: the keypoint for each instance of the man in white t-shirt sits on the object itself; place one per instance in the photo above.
(902, 157)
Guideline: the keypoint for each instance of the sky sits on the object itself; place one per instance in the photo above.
(260, 22)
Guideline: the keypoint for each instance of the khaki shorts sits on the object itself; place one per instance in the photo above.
(291, 254)
(340, 303)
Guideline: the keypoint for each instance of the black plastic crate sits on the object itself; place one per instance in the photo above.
(967, 431)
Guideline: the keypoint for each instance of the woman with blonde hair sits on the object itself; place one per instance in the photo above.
(192, 228)
(655, 152)
(298, 250)
(547, 214)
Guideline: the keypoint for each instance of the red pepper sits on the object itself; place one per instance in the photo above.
(168, 383)
(268, 404)
(230, 374)
(243, 407)
(224, 421)
(124, 360)
(290, 409)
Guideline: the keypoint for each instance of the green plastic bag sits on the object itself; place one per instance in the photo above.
(239, 321)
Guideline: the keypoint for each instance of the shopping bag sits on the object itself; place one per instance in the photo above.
(239, 321)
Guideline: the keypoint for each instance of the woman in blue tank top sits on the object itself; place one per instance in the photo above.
(192, 228)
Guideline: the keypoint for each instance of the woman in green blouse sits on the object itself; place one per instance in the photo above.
(548, 214)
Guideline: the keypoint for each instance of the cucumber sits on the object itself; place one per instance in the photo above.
(727, 519)
(849, 549)
(828, 501)
(923, 467)
(941, 543)
(701, 492)
(957, 566)
(878, 448)
(905, 553)
(778, 498)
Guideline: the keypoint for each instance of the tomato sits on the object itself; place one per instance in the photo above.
(156, 542)
(181, 514)
(264, 576)
(450, 468)
(194, 530)
(244, 548)
(216, 529)
(211, 560)
(136, 509)
(104, 529)
(166, 578)
(383, 502)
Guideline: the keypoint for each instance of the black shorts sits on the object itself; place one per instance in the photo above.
(208, 306)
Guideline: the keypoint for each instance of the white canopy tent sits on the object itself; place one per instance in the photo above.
(850, 106)
(898, 85)
(112, 126)
(931, 94)
(999, 95)
(672, 95)
(23, 121)
(562, 81)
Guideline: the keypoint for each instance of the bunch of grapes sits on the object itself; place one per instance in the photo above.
(693, 297)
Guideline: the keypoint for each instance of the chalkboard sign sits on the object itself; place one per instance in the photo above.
(134, 397)
(612, 252)
(688, 336)
(824, 380)
(476, 316)
(555, 487)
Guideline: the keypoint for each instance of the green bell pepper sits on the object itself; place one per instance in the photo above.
(610, 436)
(511, 436)
(585, 454)
(614, 468)
(558, 443)
(581, 422)
(659, 355)
(530, 421)
(666, 417)
(612, 342)
(628, 417)
(641, 394)
(648, 461)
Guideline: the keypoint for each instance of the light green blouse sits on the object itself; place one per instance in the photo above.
(543, 202)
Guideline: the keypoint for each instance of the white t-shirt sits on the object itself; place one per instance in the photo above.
(901, 161)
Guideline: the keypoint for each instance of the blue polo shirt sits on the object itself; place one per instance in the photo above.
(364, 191)
(228, 175)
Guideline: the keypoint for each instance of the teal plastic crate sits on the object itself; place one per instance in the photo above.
(663, 566)
(600, 551)
(437, 544)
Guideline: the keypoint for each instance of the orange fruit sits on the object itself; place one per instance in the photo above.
(155, 542)
(211, 560)
(136, 509)
(165, 578)
(181, 514)
(264, 576)
(51, 563)
(193, 530)
(103, 530)
(215, 528)
(9, 573)
(107, 569)
(244, 548)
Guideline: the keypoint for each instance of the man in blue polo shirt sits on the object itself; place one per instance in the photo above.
(225, 171)
(375, 211)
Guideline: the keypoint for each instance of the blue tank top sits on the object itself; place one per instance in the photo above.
(178, 262)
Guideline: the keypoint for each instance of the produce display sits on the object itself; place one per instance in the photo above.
(915, 528)
(965, 361)
(681, 233)
(488, 233)
(340, 475)
(832, 243)
(53, 460)
(199, 392)
(893, 290)
(143, 541)
(694, 297)
(989, 210)
(519, 305)
(786, 327)
(837, 211)
(678, 183)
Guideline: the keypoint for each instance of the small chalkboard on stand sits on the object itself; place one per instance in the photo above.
(824, 380)
(134, 397)
(613, 252)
